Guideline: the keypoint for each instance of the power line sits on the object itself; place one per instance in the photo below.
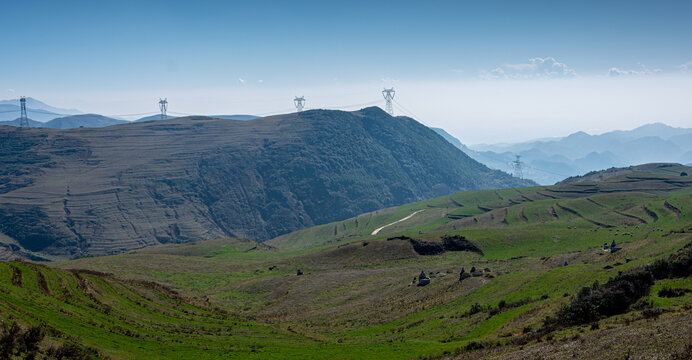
(409, 113)
(546, 171)
(47, 112)
(274, 113)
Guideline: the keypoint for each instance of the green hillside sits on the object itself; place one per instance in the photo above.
(538, 252)
(510, 208)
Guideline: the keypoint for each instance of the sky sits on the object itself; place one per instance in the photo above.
(486, 71)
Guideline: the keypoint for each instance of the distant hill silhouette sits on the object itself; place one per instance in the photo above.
(155, 117)
(451, 139)
(86, 120)
(15, 122)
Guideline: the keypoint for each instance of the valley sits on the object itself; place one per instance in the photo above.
(536, 249)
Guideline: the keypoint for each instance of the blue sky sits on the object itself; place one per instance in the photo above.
(117, 57)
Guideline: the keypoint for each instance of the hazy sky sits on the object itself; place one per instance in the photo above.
(487, 71)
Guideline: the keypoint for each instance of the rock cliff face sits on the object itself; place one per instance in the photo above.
(66, 193)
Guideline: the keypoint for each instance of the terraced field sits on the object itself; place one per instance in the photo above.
(356, 297)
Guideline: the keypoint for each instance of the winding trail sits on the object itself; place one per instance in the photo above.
(396, 222)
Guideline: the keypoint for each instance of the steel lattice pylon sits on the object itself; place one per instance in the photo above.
(23, 119)
(388, 97)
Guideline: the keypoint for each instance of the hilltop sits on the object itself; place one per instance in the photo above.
(67, 193)
(543, 283)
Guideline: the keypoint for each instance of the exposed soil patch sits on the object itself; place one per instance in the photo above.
(16, 276)
(651, 213)
(672, 208)
(637, 218)
(574, 212)
(41, 283)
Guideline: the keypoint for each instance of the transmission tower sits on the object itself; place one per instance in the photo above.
(23, 119)
(388, 97)
(517, 167)
(299, 102)
(163, 105)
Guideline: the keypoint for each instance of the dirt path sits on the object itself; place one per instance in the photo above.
(396, 222)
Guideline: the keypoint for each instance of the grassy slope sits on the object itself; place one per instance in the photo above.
(474, 209)
(355, 299)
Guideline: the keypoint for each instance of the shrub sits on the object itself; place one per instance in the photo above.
(67, 351)
(475, 308)
(652, 313)
(672, 292)
(17, 342)
(501, 304)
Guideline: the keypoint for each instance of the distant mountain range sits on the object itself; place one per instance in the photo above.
(548, 161)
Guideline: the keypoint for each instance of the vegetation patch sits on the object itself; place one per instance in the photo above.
(673, 292)
(618, 294)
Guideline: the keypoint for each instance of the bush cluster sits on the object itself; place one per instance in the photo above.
(672, 292)
(18, 343)
(616, 296)
(14, 341)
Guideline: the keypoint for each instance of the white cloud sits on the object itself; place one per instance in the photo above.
(458, 71)
(260, 81)
(686, 66)
(538, 67)
(241, 80)
(389, 80)
(10, 90)
(615, 72)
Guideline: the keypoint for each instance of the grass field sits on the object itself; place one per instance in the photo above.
(356, 297)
